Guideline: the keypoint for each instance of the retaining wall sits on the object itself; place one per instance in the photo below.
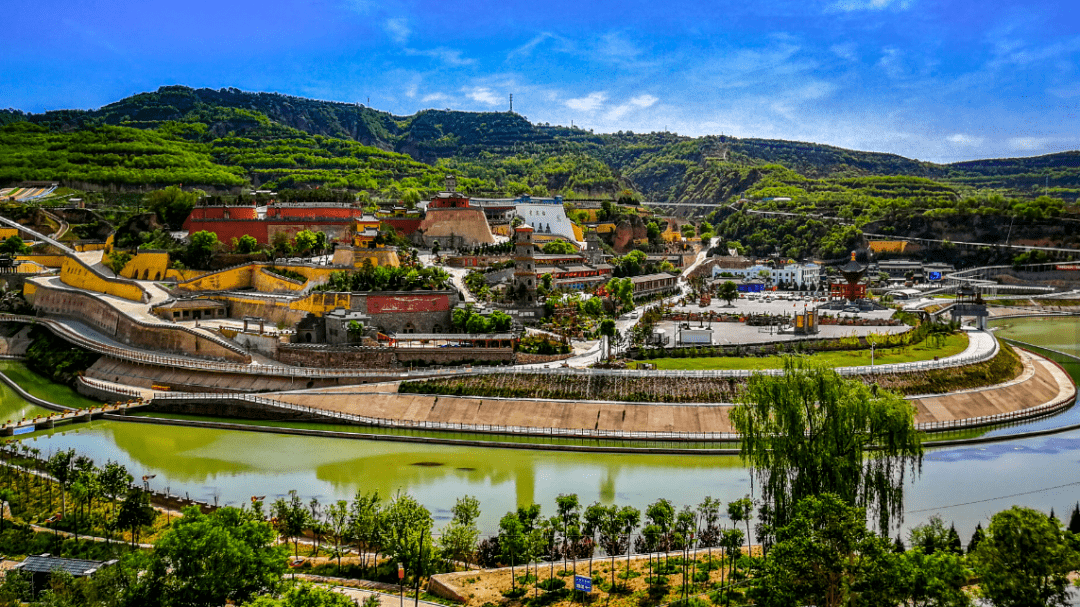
(103, 317)
(77, 274)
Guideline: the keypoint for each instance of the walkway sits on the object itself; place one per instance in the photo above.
(1043, 386)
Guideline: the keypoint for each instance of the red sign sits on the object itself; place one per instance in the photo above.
(388, 304)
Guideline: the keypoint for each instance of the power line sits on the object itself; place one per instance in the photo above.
(990, 499)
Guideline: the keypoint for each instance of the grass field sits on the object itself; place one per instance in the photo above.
(954, 344)
(44, 388)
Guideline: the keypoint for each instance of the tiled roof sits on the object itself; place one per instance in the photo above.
(47, 564)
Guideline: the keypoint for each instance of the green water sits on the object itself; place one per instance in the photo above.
(963, 484)
(1056, 333)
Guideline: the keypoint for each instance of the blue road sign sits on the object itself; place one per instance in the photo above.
(582, 583)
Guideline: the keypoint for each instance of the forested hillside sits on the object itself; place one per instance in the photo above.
(222, 139)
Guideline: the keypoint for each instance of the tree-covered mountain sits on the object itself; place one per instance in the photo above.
(221, 138)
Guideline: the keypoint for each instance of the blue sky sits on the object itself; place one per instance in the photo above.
(935, 80)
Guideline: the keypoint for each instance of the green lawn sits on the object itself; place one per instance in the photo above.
(42, 387)
(954, 344)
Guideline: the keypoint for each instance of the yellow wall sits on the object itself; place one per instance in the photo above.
(6, 233)
(604, 228)
(109, 244)
(356, 257)
(224, 280)
(151, 265)
(579, 235)
(182, 275)
(288, 311)
(49, 261)
(75, 274)
(92, 246)
(29, 288)
(251, 276)
(268, 282)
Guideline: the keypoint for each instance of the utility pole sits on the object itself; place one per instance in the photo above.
(511, 103)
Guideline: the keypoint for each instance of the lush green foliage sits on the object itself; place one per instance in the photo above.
(388, 278)
(810, 431)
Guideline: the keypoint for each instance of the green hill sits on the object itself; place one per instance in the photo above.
(227, 138)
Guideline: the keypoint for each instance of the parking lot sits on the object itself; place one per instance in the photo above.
(787, 305)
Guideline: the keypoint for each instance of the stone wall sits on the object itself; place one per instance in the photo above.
(533, 359)
(108, 320)
(329, 357)
(452, 356)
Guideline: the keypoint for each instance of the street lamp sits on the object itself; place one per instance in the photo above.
(146, 481)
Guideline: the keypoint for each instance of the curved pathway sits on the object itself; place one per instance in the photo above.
(1043, 388)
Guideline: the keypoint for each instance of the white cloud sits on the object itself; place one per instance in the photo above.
(967, 140)
(1030, 144)
(643, 100)
(615, 46)
(359, 6)
(449, 56)
(844, 51)
(434, 97)
(848, 6)
(483, 95)
(398, 29)
(891, 63)
(526, 49)
(589, 103)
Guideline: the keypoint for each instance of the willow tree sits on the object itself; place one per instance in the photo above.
(810, 431)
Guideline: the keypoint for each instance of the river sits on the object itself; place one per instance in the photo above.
(964, 485)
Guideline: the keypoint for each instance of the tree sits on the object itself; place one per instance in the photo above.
(930, 537)
(14, 245)
(365, 525)
(135, 513)
(568, 508)
(172, 205)
(512, 543)
(291, 519)
(1074, 520)
(977, 537)
(407, 527)
(729, 291)
(117, 260)
(825, 556)
(501, 322)
(459, 537)
(593, 307)
(246, 244)
(61, 467)
(113, 479)
(934, 579)
(305, 241)
(810, 431)
(208, 559)
(1025, 559)
(201, 249)
(337, 523)
(558, 247)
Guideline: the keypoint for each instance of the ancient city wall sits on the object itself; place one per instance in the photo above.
(77, 274)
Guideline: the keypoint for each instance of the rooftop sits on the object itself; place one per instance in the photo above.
(47, 564)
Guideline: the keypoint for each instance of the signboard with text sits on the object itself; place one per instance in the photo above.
(582, 583)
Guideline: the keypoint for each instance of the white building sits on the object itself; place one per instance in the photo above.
(548, 218)
(794, 274)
